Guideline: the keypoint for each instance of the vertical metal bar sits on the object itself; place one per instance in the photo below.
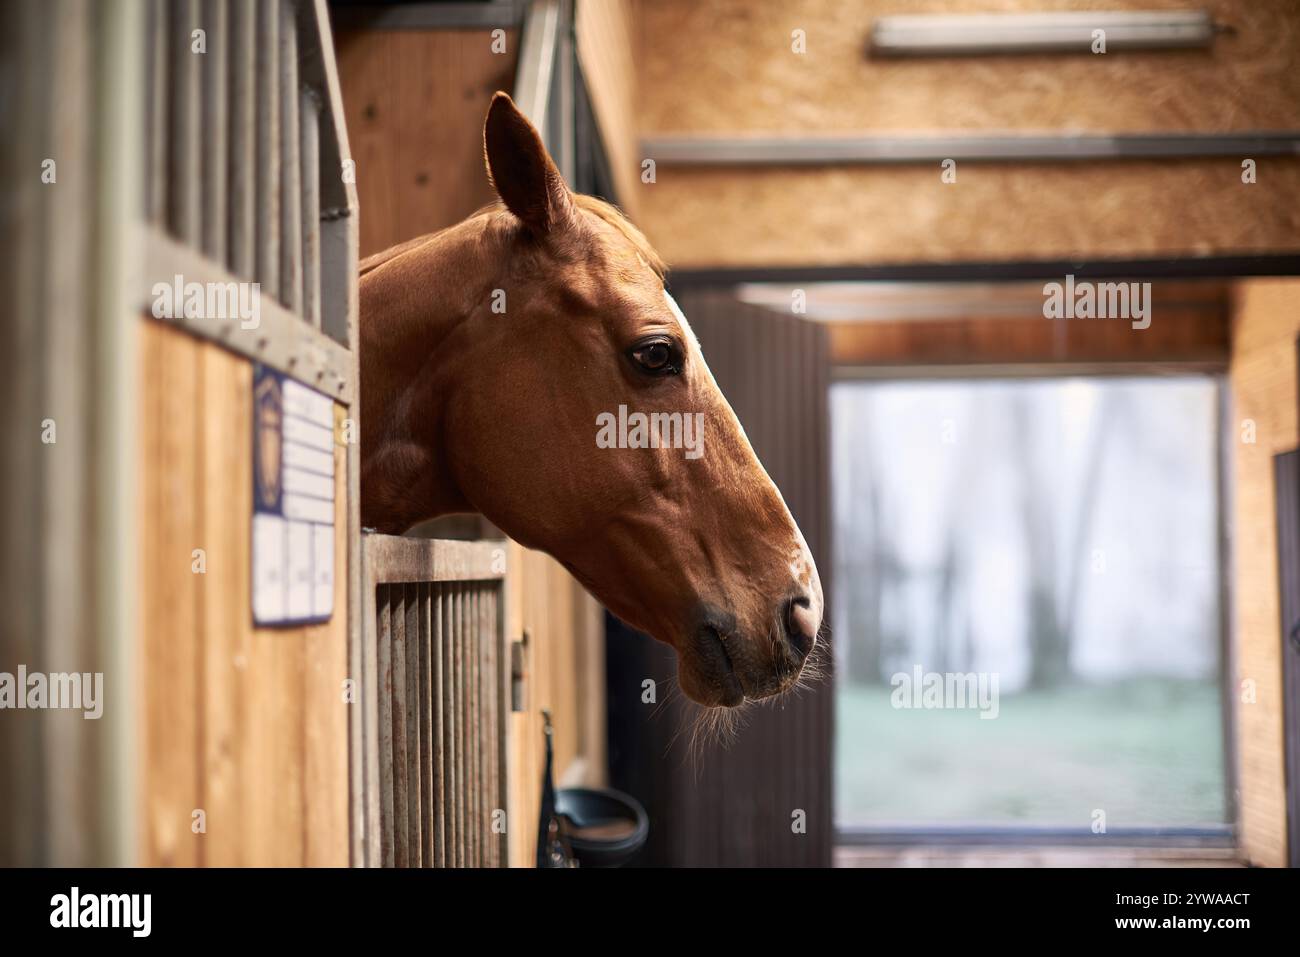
(387, 850)
(462, 771)
(290, 292)
(475, 808)
(401, 765)
(242, 236)
(112, 422)
(493, 712)
(485, 723)
(268, 147)
(414, 796)
(186, 119)
(364, 717)
(309, 116)
(214, 65)
(426, 726)
(480, 727)
(450, 705)
(437, 792)
(503, 685)
(433, 779)
(157, 88)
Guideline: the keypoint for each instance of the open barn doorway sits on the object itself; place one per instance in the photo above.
(1029, 613)
(1028, 520)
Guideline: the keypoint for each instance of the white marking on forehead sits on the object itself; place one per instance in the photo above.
(681, 318)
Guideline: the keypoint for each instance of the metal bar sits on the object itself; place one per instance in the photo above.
(439, 792)
(279, 338)
(290, 291)
(242, 232)
(1194, 267)
(560, 112)
(339, 240)
(872, 150)
(387, 801)
(401, 762)
(493, 715)
(463, 718)
(366, 788)
(425, 664)
(158, 85)
(475, 729)
(414, 794)
(268, 147)
(536, 67)
(504, 713)
(216, 124)
(1074, 32)
(185, 177)
(453, 715)
(482, 642)
(113, 422)
(309, 118)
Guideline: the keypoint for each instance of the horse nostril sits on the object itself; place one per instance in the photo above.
(800, 627)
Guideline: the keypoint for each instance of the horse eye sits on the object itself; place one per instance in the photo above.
(655, 357)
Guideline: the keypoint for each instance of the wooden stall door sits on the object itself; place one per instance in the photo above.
(764, 799)
(243, 730)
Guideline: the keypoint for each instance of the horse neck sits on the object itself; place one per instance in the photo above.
(412, 305)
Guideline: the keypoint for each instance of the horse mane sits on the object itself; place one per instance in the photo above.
(606, 212)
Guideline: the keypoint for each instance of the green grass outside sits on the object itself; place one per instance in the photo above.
(1147, 752)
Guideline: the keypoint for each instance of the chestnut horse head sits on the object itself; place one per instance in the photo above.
(528, 364)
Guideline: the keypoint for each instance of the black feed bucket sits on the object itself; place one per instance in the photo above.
(591, 827)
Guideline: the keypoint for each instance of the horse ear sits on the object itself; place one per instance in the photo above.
(521, 170)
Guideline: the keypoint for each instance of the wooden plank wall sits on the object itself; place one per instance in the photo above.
(726, 68)
(415, 102)
(1262, 424)
(246, 724)
(565, 674)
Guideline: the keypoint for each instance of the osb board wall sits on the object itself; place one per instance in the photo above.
(850, 215)
(415, 102)
(565, 674)
(247, 725)
(606, 52)
(1263, 375)
(726, 68)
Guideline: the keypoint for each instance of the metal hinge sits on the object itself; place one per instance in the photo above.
(519, 673)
